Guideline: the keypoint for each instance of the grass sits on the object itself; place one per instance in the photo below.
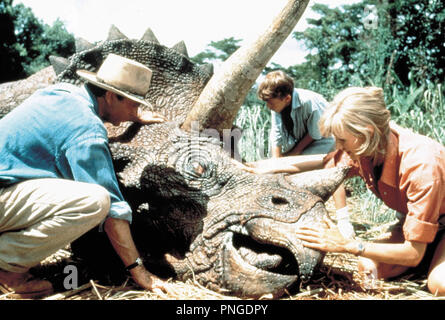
(422, 110)
(255, 123)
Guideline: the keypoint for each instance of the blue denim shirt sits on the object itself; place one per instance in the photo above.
(57, 133)
(307, 108)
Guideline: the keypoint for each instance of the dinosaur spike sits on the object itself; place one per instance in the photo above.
(59, 64)
(115, 34)
(181, 48)
(150, 36)
(82, 44)
(207, 68)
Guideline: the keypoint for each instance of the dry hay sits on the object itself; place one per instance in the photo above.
(336, 279)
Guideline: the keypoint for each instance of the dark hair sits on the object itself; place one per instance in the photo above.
(287, 119)
(98, 91)
(277, 84)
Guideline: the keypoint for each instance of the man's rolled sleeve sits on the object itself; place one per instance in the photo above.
(120, 210)
(418, 230)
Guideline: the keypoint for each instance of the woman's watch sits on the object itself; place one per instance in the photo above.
(360, 248)
(137, 263)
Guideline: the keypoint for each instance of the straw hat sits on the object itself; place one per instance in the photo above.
(123, 76)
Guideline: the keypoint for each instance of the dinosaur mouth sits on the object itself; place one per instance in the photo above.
(252, 268)
(264, 255)
(267, 257)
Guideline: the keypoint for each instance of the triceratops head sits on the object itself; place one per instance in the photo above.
(208, 220)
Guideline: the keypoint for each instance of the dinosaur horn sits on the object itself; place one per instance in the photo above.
(225, 92)
(322, 183)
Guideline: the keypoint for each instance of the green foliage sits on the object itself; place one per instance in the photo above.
(27, 42)
(255, 123)
(54, 40)
(422, 110)
(344, 50)
(10, 57)
(371, 209)
(417, 29)
(380, 43)
(217, 50)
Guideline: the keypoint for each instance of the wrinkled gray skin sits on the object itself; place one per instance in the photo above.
(196, 215)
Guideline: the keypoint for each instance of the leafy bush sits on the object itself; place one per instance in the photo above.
(26, 42)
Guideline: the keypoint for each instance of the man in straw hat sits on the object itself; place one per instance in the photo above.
(57, 179)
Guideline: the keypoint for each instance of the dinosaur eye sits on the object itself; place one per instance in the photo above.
(198, 168)
(195, 166)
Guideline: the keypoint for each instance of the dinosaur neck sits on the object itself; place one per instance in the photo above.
(224, 94)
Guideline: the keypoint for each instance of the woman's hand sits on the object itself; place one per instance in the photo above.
(327, 239)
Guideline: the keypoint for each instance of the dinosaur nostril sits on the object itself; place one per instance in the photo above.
(279, 200)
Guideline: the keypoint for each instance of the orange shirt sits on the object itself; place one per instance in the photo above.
(412, 180)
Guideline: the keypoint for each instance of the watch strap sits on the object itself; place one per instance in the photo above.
(360, 248)
(137, 263)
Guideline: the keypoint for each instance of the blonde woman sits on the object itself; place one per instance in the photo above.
(404, 169)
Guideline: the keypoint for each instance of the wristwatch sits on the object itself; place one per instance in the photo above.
(137, 263)
(360, 248)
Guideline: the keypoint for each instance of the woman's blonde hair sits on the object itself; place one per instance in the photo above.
(363, 113)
